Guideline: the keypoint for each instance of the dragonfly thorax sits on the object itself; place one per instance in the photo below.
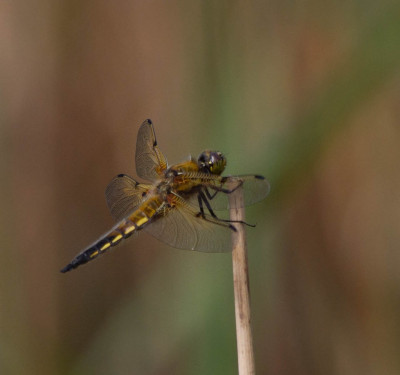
(211, 162)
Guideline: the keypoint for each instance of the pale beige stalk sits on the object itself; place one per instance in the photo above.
(241, 287)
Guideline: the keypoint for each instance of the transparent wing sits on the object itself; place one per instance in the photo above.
(124, 194)
(150, 162)
(180, 227)
(216, 189)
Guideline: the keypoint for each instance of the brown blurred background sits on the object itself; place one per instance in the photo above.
(306, 94)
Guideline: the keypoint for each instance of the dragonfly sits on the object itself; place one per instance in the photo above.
(180, 205)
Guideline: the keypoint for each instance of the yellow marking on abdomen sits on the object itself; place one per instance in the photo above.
(128, 229)
(118, 237)
(141, 220)
(144, 213)
(105, 246)
(139, 217)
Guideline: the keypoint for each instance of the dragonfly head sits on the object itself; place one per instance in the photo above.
(212, 162)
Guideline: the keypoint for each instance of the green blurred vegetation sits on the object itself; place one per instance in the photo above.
(304, 93)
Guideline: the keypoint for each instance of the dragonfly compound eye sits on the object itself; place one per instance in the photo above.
(212, 162)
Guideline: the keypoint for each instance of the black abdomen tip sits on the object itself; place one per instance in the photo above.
(67, 268)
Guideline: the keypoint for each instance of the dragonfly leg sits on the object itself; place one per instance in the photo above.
(202, 198)
(221, 189)
(203, 215)
(209, 195)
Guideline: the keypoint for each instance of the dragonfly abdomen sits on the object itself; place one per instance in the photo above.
(106, 242)
(124, 229)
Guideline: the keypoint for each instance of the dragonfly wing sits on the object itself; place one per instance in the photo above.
(150, 162)
(216, 189)
(182, 228)
(124, 194)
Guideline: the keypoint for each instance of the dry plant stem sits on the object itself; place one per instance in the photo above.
(241, 287)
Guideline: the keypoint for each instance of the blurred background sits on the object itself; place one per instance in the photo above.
(304, 93)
